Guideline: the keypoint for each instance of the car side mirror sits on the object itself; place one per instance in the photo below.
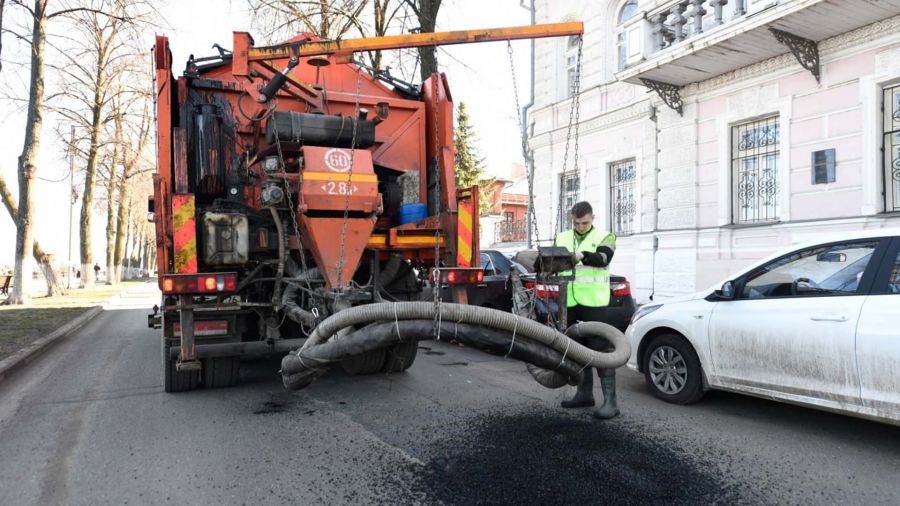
(727, 292)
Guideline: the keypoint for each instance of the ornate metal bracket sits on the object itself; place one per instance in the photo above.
(805, 51)
(667, 92)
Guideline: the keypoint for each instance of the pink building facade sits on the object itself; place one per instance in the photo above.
(704, 143)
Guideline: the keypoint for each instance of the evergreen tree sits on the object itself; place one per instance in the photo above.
(468, 164)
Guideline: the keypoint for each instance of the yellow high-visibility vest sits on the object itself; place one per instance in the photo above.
(591, 285)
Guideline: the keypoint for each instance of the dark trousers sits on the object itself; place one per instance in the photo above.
(579, 313)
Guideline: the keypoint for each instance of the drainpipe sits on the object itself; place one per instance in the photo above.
(655, 119)
(527, 154)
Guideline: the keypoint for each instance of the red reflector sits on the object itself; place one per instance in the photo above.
(168, 285)
(451, 276)
(204, 328)
(622, 289)
(230, 282)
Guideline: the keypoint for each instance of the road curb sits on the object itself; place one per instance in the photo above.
(33, 350)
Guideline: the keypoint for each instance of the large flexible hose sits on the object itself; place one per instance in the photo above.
(550, 368)
(306, 364)
(487, 317)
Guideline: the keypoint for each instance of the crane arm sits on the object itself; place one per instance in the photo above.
(350, 46)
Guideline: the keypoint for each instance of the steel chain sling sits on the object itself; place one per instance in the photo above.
(349, 187)
(436, 278)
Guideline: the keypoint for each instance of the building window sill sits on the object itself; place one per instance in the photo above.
(753, 225)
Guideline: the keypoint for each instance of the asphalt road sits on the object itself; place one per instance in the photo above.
(88, 423)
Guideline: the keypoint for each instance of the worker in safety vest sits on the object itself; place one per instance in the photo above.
(588, 297)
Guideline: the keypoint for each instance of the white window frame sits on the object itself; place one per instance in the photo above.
(625, 31)
(571, 56)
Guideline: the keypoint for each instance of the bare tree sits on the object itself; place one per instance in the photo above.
(102, 54)
(54, 286)
(278, 20)
(21, 292)
(134, 165)
(112, 185)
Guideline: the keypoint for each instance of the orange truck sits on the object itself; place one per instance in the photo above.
(292, 183)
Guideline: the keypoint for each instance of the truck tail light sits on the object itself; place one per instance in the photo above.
(462, 276)
(199, 283)
(543, 291)
(621, 289)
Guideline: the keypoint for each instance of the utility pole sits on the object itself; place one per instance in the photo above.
(72, 199)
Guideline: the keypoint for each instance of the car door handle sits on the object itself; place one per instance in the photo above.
(828, 318)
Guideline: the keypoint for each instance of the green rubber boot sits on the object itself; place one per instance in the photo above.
(584, 396)
(610, 408)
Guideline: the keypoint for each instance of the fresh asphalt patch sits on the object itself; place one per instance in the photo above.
(558, 458)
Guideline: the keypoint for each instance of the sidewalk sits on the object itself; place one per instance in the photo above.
(27, 330)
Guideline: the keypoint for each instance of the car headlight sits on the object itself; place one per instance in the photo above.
(644, 311)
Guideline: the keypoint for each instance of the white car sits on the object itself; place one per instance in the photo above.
(817, 324)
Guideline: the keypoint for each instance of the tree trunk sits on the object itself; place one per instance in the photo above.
(54, 285)
(111, 185)
(111, 228)
(21, 292)
(87, 203)
(427, 13)
(121, 225)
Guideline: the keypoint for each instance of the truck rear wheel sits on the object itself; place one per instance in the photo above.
(401, 357)
(221, 372)
(367, 363)
(173, 379)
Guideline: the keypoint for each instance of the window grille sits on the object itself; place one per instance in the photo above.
(569, 186)
(754, 162)
(891, 148)
(622, 201)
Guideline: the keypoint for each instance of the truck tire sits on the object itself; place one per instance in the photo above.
(174, 380)
(221, 372)
(401, 357)
(367, 363)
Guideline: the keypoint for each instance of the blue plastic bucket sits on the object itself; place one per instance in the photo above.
(410, 213)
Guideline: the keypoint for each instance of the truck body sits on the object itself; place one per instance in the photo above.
(292, 183)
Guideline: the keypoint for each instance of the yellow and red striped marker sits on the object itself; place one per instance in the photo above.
(185, 236)
(464, 226)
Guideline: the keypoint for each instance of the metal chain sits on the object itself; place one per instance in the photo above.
(512, 69)
(436, 279)
(349, 187)
(574, 115)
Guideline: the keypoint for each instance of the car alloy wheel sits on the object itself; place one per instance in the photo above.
(668, 370)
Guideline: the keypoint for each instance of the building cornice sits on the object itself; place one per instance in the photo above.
(636, 110)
